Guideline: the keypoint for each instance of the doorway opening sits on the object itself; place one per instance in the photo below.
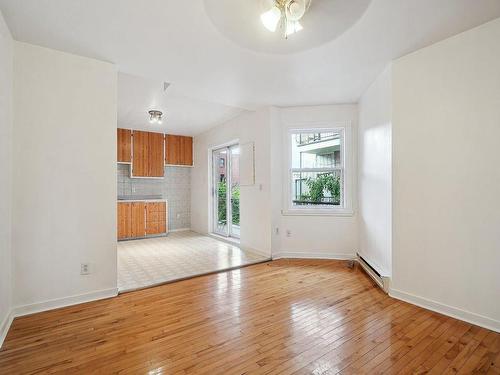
(226, 191)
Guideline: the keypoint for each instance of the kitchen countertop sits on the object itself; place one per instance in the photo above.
(141, 198)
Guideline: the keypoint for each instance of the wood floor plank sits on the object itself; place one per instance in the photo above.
(429, 357)
(374, 356)
(309, 341)
(354, 350)
(286, 316)
(465, 353)
(482, 359)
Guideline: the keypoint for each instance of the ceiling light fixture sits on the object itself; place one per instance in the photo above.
(155, 117)
(285, 14)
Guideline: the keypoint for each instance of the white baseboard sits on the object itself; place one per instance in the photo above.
(441, 308)
(229, 240)
(312, 255)
(51, 305)
(63, 302)
(4, 327)
(179, 230)
(236, 242)
(255, 251)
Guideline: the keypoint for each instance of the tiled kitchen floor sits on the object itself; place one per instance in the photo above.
(152, 261)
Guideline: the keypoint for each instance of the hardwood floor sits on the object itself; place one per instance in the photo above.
(289, 317)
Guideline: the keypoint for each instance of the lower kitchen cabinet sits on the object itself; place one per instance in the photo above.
(156, 218)
(140, 219)
(124, 220)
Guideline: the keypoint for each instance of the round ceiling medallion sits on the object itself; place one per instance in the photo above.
(324, 21)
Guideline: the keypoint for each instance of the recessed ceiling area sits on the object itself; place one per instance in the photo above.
(187, 43)
(325, 20)
(181, 114)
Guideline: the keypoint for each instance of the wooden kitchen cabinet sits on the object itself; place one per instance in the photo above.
(178, 150)
(155, 154)
(124, 220)
(147, 160)
(172, 149)
(156, 221)
(186, 151)
(140, 219)
(124, 145)
(149, 152)
(140, 164)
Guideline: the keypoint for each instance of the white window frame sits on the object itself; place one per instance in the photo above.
(345, 209)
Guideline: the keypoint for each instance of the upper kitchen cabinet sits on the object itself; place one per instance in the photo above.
(178, 150)
(124, 137)
(155, 154)
(147, 158)
(186, 151)
(140, 164)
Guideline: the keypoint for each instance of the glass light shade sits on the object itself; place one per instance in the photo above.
(271, 18)
(295, 10)
(293, 27)
(155, 117)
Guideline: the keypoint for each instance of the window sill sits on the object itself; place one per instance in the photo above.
(344, 212)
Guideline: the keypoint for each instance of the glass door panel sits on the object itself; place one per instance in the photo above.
(234, 178)
(220, 193)
(226, 191)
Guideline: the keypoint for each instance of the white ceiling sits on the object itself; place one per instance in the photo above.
(181, 115)
(176, 41)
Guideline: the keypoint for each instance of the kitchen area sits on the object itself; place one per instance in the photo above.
(153, 182)
(155, 243)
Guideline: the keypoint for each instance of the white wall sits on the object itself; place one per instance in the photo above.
(313, 236)
(6, 58)
(254, 200)
(446, 181)
(375, 173)
(64, 209)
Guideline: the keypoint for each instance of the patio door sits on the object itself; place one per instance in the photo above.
(226, 191)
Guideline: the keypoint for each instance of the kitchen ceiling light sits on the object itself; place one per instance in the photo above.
(285, 13)
(155, 117)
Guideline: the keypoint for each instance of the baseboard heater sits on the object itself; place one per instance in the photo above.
(381, 281)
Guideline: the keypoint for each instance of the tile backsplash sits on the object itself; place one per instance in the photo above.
(175, 188)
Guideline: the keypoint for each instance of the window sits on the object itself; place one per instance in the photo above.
(316, 171)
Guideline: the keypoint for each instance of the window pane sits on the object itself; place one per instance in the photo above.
(220, 184)
(316, 189)
(316, 150)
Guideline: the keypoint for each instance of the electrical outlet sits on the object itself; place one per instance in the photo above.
(288, 233)
(178, 216)
(85, 269)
